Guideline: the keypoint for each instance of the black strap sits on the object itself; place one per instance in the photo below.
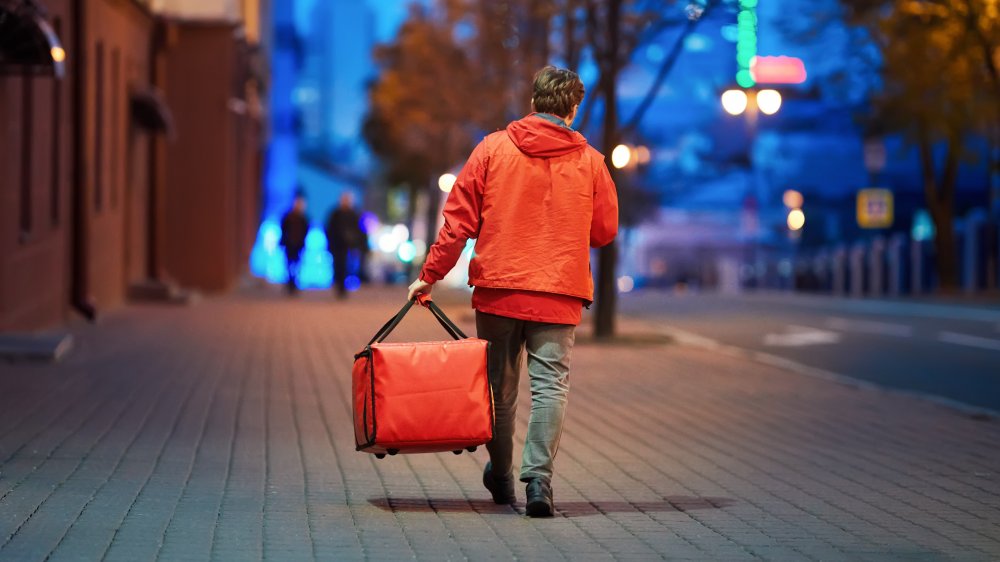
(446, 322)
(389, 326)
(449, 326)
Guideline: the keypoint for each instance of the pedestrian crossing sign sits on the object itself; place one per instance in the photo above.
(874, 208)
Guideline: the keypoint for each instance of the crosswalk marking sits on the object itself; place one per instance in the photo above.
(870, 327)
(970, 341)
(799, 336)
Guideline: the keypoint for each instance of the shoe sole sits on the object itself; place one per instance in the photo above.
(539, 509)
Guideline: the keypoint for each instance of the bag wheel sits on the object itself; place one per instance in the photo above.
(458, 452)
(379, 455)
(392, 452)
(472, 449)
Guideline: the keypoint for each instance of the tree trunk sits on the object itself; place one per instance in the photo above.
(940, 198)
(604, 317)
(946, 249)
(411, 221)
(571, 49)
(433, 212)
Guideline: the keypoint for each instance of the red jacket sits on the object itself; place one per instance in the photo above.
(536, 197)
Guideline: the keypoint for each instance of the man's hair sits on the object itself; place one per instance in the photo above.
(556, 91)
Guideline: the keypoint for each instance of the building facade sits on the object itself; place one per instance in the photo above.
(114, 166)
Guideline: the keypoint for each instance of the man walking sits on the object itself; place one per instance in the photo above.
(343, 235)
(536, 197)
(294, 227)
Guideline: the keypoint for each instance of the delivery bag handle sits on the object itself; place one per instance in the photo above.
(449, 326)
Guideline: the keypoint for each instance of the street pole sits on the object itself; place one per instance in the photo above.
(606, 294)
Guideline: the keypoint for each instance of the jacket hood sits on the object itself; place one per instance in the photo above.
(537, 136)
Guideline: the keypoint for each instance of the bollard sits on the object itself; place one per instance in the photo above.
(996, 253)
(876, 267)
(728, 273)
(857, 266)
(971, 266)
(821, 271)
(838, 266)
(916, 267)
(895, 263)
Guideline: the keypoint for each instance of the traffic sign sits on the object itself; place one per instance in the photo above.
(874, 208)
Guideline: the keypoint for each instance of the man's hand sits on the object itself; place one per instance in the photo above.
(419, 287)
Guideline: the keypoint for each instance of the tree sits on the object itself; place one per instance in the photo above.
(456, 70)
(486, 52)
(937, 84)
(615, 29)
(420, 120)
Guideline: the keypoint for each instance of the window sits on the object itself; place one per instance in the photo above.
(27, 119)
(99, 126)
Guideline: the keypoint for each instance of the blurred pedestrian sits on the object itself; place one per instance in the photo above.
(344, 236)
(294, 227)
(537, 197)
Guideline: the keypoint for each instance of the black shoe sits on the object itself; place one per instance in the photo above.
(539, 502)
(502, 491)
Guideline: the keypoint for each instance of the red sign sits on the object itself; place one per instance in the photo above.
(777, 70)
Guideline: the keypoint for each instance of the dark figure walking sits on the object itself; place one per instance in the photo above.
(294, 227)
(343, 235)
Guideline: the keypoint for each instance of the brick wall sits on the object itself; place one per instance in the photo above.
(36, 165)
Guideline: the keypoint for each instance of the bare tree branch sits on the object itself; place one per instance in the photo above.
(665, 68)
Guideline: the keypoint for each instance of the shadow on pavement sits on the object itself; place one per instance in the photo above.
(565, 509)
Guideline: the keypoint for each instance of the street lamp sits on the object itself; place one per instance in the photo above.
(621, 156)
(446, 182)
(642, 155)
(796, 219)
(739, 101)
(734, 101)
(792, 199)
(769, 101)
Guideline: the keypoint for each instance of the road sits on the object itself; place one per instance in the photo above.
(944, 350)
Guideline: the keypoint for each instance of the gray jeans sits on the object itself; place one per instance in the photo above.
(548, 347)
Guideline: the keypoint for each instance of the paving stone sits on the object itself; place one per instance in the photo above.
(224, 432)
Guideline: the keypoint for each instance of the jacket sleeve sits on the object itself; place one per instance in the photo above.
(462, 217)
(604, 221)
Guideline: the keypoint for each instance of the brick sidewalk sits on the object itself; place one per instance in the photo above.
(223, 431)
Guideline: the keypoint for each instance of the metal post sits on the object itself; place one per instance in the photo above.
(876, 267)
(974, 222)
(916, 267)
(857, 264)
(895, 263)
(838, 263)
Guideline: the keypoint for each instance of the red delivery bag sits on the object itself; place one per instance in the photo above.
(424, 397)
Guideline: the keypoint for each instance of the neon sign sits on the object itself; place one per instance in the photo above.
(777, 70)
(746, 42)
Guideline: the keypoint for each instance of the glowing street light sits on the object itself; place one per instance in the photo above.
(58, 53)
(769, 101)
(407, 251)
(642, 155)
(796, 219)
(446, 182)
(621, 156)
(734, 101)
(792, 199)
